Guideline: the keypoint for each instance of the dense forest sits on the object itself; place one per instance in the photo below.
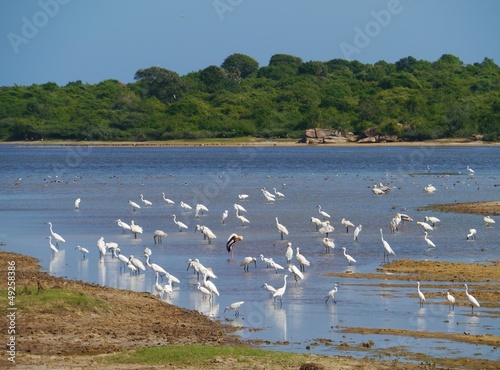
(413, 99)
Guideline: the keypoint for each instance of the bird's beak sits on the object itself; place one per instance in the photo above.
(255, 263)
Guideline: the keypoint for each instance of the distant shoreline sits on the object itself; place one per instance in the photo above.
(236, 142)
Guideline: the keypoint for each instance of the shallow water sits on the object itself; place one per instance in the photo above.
(339, 179)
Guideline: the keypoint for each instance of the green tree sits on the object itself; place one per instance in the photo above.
(166, 85)
(240, 65)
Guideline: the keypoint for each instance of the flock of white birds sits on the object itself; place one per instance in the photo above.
(207, 287)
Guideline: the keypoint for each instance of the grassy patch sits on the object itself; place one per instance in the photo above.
(56, 300)
(198, 356)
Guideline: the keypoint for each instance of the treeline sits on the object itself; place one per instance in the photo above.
(414, 99)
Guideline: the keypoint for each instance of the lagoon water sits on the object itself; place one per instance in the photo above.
(337, 178)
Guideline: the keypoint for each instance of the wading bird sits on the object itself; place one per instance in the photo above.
(473, 301)
(224, 216)
(387, 248)
(134, 205)
(169, 201)
(137, 263)
(433, 220)
(158, 270)
(347, 224)
(270, 289)
(297, 274)
(488, 220)
(146, 202)
(429, 242)
(234, 306)
(289, 253)
(349, 258)
(281, 228)
(200, 208)
(243, 219)
(158, 235)
(329, 244)
(52, 246)
(231, 241)
(58, 238)
(425, 226)
(331, 294)
(185, 206)
(303, 262)
(83, 250)
(124, 226)
(357, 230)
(420, 295)
(246, 263)
(451, 300)
(179, 224)
(471, 234)
(323, 213)
(77, 203)
(136, 229)
(280, 291)
(430, 188)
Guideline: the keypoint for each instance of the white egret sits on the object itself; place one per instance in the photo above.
(270, 289)
(425, 226)
(168, 200)
(186, 206)
(200, 208)
(136, 229)
(134, 205)
(281, 228)
(473, 301)
(124, 226)
(246, 263)
(83, 250)
(420, 295)
(210, 286)
(323, 213)
(101, 246)
(471, 234)
(276, 266)
(297, 274)
(158, 236)
(137, 263)
(159, 289)
(471, 171)
(430, 188)
(429, 242)
(121, 257)
(131, 268)
(278, 294)
(488, 220)
(326, 228)
(224, 216)
(331, 294)
(347, 224)
(317, 222)
(167, 288)
(357, 230)
(387, 248)
(146, 202)
(77, 203)
(433, 220)
(238, 207)
(172, 279)
(242, 196)
(234, 306)
(289, 253)
(269, 197)
(243, 219)
(266, 260)
(52, 246)
(278, 193)
(450, 299)
(204, 291)
(158, 270)
(377, 191)
(58, 238)
(328, 243)
(233, 239)
(180, 224)
(303, 262)
(349, 258)
(111, 246)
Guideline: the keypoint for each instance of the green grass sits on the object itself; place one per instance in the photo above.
(55, 300)
(196, 355)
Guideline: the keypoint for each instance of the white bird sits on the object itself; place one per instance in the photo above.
(111, 246)
(430, 188)
(124, 226)
(349, 258)
(204, 291)
(297, 274)
(433, 220)
(224, 216)
(471, 171)
(387, 248)
(134, 205)
(451, 300)
(207, 233)
(278, 294)
(233, 239)
(471, 234)
(377, 191)
(266, 260)
(425, 226)
(328, 244)
(145, 201)
(121, 257)
(281, 228)
(303, 262)
(331, 294)
(276, 266)
(148, 252)
(101, 246)
(347, 224)
(77, 203)
(131, 268)
(243, 219)
(83, 250)
(169, 201)
(136, 229)
(180, 224)
(289, 253)
(58, 238)
(137, 263)
(357, 230)
(269, 197)
(234, 306)
(429, 242)
(186, 206)
(242, 196)
(200, 208)
(270, 289)
(488, 220)
(158, 270)
(278, 193)
(420, 295)
(317, 222)
(326, 228)
(158, 235)
(172, 279)
(238, 207)
(246, 263)
(323, 213)
(159, 289)
(473, 301)
(167, 288)
(210, 286)
(52, 246)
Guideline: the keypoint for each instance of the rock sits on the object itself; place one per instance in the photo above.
(323, 136)
(370, 139)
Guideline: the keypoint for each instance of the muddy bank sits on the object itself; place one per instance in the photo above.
(478, 208)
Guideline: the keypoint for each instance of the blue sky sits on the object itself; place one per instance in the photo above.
(94, 40)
